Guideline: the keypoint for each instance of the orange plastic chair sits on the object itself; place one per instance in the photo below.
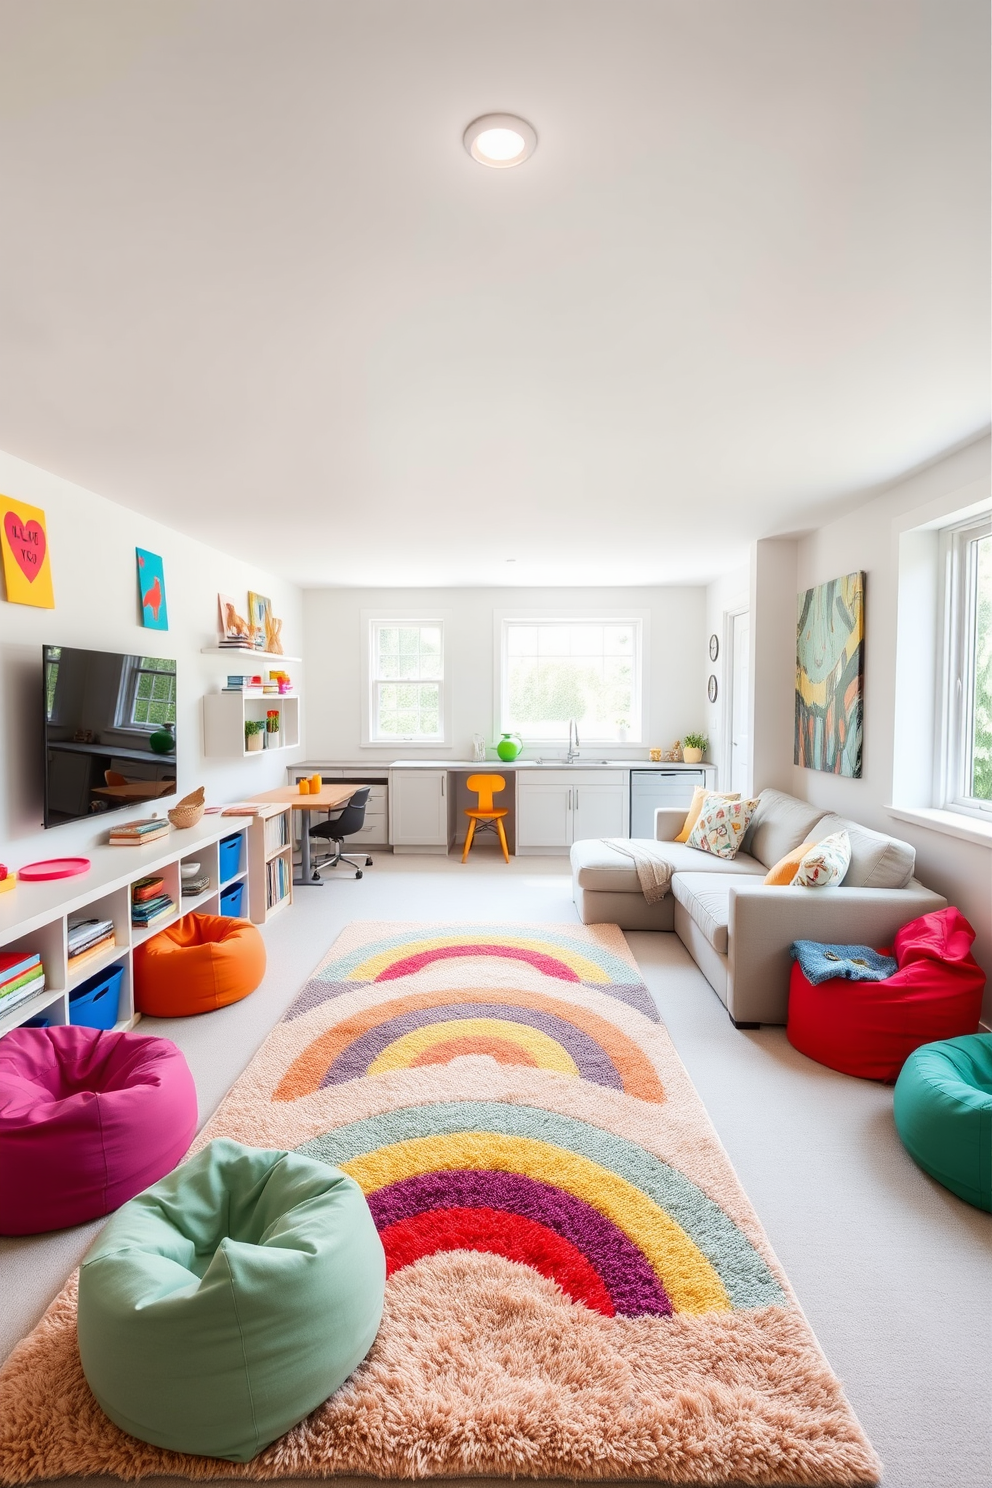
(113, 777)
(486, 816)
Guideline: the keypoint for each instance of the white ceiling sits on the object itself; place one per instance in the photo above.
(251, 283)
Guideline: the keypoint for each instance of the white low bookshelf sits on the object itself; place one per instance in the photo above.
(34, 916)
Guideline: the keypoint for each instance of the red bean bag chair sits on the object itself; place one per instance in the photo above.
(200, 963)
(870, 1029)
(88, 1119)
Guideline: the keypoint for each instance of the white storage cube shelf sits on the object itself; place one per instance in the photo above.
(34, 916)
(225, 714)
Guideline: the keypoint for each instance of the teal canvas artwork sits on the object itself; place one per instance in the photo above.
(151, 590)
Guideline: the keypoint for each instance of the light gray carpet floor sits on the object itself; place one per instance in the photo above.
(893, 1272)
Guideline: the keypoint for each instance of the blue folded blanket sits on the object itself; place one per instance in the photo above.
(855, 963)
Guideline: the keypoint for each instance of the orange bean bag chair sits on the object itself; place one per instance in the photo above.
(200, 963)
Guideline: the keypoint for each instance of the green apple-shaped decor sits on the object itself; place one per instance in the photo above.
(509, 746)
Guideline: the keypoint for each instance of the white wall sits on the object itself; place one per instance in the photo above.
(724, 597)
(868, 538)
(675, 684)
(92, 543)
(773, 662)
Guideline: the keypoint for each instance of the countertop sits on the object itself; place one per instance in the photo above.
(379, 767)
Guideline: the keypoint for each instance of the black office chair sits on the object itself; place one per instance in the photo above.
(346, 824)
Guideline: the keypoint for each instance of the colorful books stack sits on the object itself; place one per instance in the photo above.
(150, 903)
(87, 938)
(250, 685)
(276, 881)
(21, 976)
(139, 833)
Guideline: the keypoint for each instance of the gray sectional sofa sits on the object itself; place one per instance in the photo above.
(738, 929)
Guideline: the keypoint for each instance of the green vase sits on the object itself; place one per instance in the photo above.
(509, 746)
(163, 740)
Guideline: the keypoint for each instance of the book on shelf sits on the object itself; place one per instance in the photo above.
(94, 948)
(29, 989)
(147, 888)
(277, 879)
(15, 963)
(244, 808)
(16, 983)
(141, 914)
(138, 834)
(277, 832)
(192, 886)
(165, 913)
(83, 933)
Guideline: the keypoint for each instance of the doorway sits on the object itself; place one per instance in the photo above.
(739, 670)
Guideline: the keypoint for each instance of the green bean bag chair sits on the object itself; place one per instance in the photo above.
(943, 1111)
(225, 1303)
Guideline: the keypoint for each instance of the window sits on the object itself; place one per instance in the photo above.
(53, 655)
(968, 693)
(554, 670)
(406, 681)
(147, 697)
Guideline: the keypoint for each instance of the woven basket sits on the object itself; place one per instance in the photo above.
(188, 811)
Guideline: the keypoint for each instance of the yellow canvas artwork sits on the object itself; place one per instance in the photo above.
(27, 564)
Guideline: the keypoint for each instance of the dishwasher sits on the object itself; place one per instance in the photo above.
(651, 788)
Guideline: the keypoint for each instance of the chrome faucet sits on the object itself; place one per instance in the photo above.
(573, 733)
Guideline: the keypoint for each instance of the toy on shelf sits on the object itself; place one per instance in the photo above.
(53, 868)
(273, 634)
(7, 879)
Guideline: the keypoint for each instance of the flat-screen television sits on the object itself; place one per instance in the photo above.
(109, 732)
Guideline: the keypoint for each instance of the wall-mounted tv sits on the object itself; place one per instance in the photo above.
(109, 732)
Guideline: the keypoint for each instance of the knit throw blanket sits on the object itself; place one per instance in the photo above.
(654, 872)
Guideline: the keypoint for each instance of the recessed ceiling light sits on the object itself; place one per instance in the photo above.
(500, 140)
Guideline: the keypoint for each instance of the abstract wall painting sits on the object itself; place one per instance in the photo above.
(830, 661)
(151, 590)
(27, 563)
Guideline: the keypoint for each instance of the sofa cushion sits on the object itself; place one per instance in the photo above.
(706, 898)
(600, 867)
(779, 824)
(877, 860)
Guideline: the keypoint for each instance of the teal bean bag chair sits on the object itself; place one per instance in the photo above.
(943, 1111)
(222, 1305)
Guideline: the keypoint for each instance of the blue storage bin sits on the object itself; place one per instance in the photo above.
(230, 857)
(37, 1023)
(93, 1004)
(231, 900)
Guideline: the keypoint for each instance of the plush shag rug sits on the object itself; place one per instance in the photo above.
(578, 1286)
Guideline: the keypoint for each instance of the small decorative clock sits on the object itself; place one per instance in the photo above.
(711, 688)
(714, 647)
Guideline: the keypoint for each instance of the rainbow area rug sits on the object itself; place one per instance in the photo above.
(577, 1285)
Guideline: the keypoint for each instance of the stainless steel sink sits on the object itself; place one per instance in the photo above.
(571, 764)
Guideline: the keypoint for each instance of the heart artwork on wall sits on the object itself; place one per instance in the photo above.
(27, 567)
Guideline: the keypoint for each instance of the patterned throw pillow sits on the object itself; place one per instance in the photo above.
(699, 795)
(826, 863)
(721, 825)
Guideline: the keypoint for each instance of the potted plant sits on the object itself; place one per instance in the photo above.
(254, 729)
(694, 746)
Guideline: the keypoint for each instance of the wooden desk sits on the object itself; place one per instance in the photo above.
(329, 798)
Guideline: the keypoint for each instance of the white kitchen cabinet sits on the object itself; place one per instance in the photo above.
(544, 813)
(418, 809)
(558, 807)
(599, 809)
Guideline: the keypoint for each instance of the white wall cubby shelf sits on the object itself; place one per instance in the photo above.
(34, 916)
(225, 715)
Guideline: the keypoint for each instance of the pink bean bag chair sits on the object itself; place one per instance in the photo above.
(87, 1120)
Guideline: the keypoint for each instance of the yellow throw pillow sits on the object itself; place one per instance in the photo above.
(786, 868)
(696, 805)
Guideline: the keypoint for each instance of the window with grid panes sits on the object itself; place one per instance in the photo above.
(968, 695)
(407, 681)
(586, 670)
(148, 694)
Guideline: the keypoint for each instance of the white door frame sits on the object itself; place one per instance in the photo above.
(729, 685)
